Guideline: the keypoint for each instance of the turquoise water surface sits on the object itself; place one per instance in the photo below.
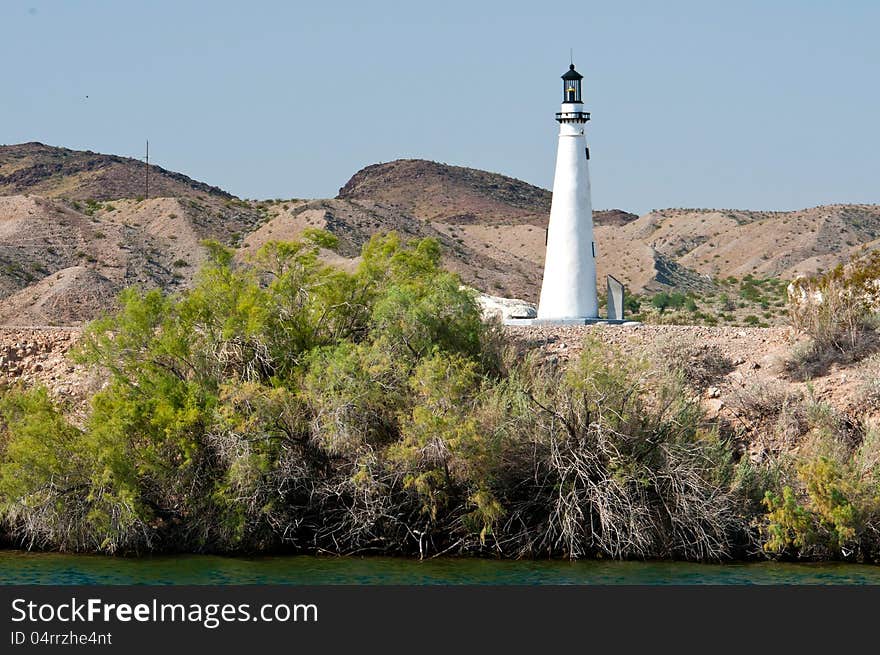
(17, 567)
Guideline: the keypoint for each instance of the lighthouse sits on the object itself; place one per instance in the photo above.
(568, 291)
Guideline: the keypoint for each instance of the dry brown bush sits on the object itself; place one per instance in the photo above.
(837, 310)
(700, 364)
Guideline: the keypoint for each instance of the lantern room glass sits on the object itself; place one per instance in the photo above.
(571, 90)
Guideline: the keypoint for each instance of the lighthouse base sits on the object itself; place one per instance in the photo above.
(526, 322)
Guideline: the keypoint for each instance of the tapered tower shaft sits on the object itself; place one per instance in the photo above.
(568, 290)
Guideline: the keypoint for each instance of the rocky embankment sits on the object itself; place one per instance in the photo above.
(750, 369)
(28, 354)
(757, 356)
(753, 356)
(38, 356)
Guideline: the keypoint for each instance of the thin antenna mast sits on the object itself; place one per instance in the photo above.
(147, 178)
(571, 56)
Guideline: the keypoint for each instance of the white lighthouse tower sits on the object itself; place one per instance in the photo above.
(568, 292)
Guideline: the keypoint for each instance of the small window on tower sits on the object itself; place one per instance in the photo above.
(594, 249)
(588, 152)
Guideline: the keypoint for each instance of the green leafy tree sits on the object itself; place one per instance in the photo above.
(446, 453)
(53, 486)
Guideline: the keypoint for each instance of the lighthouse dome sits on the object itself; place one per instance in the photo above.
(572, 74)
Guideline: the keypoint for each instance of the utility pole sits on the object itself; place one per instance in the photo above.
(147, 180)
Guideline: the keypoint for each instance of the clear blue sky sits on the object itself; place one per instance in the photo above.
(763, 105)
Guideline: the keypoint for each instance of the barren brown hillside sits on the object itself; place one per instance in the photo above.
(73, 231)
(355, 221)
(692, 248)
(456, 195)
(721, 243)
(48, 171)
(61, 264)
(506, 219)
(451, 194)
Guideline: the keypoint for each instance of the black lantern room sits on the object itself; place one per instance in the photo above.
(571, 85)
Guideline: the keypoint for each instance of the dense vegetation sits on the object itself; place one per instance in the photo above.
(284, 404)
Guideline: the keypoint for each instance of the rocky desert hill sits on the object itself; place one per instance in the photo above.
(432, 191)
(66, 250)
(38, 169)
(75, 229)
(355, 221)
(498, 222)
(722, 243)
(506, 219)
(451, 194)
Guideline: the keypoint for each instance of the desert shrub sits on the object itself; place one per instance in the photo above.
(831, 512)
(355, 453)
(700, 364)
(752, 480)
(280, 403)
(868, 392)
(660, 301)
(750, 290)
(264, 467)
(725, 303)
(780, 419)
(354, 393)
(789, 525)
(668, 300)
(837, 310)
(632, 304)
(607, 460)
(677, 300)
(57, 488)
(828, 502)
(445, 454)
(762, 401)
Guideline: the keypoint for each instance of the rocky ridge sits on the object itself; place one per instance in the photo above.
(75, 233)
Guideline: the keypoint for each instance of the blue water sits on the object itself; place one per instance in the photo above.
(17, 567)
